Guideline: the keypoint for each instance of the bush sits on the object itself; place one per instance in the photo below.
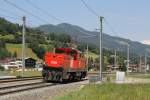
(4, 53)
(2, 44)
(7, 38)
(2, 68)
(18, 76)
(124, 68)
(39, 50)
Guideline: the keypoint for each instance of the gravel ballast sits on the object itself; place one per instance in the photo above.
(47, 93)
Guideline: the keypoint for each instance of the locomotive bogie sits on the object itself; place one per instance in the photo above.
(50, 74)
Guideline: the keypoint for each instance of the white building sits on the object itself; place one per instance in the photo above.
(13, 64)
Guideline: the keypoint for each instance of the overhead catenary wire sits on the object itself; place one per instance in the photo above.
(89, 8)
(8, 11)
(15, 18)
(37, 17)
(96, 14)
(42, 10)
(6, 16)
(45, 12)
(52, 16)
(25, 11)
(101, 20)
(110, 27)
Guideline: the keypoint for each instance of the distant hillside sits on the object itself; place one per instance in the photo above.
(11, 38)
(18, 49)
(12, 33)
(109, 42)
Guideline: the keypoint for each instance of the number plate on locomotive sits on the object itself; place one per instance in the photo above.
(53, 62)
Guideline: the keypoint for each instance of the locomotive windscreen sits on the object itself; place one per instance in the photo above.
(59, 51)
(67, 51)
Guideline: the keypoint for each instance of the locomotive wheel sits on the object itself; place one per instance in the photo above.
(60, 77)
(70, 77)
(80, 78)
(53, 76)
(45, 79)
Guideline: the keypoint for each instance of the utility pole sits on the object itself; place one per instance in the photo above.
(87, 56)
(128, 57)
(145, 61)
(100, 47)
(140, 64)
(115, 62)
(23, 45)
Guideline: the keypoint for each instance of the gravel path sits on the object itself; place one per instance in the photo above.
(47, 93)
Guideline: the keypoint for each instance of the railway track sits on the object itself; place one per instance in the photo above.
(23, 87)
(6, 80)
(14, 85)
(11, 89)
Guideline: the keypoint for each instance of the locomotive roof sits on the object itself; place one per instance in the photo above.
(69, 49)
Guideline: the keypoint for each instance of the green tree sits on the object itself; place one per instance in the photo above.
(64, 38)
(105, 63)
(39, 50)
(2, 68)
(15, 54)
(90, 63)
(124, 67)
(4, 53)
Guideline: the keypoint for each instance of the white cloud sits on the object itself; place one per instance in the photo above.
(146, 42)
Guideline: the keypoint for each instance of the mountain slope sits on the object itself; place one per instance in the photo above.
(109, 42)
(17, 48)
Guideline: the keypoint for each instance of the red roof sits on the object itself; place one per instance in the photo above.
(67, 50)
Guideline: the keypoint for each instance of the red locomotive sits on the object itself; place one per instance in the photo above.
(64, 64)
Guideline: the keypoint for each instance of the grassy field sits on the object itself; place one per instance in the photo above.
(17, 48)
(27, 73)
(110, 92)
(138, 75)
(93, 55)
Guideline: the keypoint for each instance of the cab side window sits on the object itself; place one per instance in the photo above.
(73, 55)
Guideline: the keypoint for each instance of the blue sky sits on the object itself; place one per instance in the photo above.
(129, 18)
